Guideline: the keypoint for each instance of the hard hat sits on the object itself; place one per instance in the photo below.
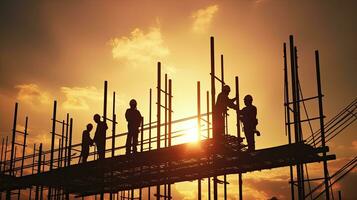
(226, 88)
(96, 117)
(132, 103)
(248, 97)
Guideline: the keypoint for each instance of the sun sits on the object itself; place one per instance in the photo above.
(189, 132)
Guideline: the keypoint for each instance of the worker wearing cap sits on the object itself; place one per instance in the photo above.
(248, 116)
(221, 108)
(134, 119)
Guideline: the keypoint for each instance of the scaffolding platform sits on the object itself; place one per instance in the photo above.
(184, 162)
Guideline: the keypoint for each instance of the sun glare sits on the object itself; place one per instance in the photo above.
(189, 131)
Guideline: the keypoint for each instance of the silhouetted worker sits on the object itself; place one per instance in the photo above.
(221, 108)
(100, 134)
(86, 141)
(248, 115)
(134, 119)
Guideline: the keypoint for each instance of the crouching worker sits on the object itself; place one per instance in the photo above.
(86, 142)
(248, 115)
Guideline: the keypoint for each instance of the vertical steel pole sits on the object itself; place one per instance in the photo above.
(150, 102)
(165, 136)
(295, 105)
(141, 150)
(23, 153)
(240, 179)
(105, 109)
(322, 128)
(339, 195)
(226, 128)
(104, 120)
(2, 152)
(170, 127)
(8, 193)
(53, 136)
(66, 148)
(165, 110)
(213, 99)
(62, 144)
(13, 140)
(5, 155)
(66, 142)
(287, 119)
(32, 168)
(38, 170)
(208, 137)
(199, 131)
(53, 132)
(158, 117)
(114, 127)
(70, 142)
(301, 179)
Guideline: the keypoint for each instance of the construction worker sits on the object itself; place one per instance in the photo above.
(86, 141)
(248, 116)
(134, 119)
(100, 134)
(221, 108)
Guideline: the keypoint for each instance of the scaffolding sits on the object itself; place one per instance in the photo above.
(62, 176)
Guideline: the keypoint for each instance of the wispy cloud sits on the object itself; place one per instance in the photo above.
(78, 97)
(140, 47)
(32, 94)
(202, 18)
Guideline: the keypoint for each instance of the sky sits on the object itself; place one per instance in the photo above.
(64, 51)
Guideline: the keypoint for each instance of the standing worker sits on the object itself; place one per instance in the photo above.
(221, 108)
(134, 119)
(248, 115)
(86, 142)
(100, 136)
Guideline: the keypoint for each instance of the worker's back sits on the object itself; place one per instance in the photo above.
(133, 117)
(249, 117)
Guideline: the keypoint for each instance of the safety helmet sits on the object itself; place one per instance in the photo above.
(89, 126)
(96, 117)
(248, 98)
(132, 103)
(226, 88)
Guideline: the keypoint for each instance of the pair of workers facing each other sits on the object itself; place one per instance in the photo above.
(248, 116)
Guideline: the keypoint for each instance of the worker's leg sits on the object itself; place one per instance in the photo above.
(101, 152)
(135, 140)
(128, 142)
(85, 157)
(249, 135)
(218, 127)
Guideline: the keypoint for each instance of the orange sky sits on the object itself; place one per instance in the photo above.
(65, 51)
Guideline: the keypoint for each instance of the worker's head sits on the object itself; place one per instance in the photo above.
(96, 118)
(226, 89)
(248, 100)
(132, 103)
(89, 127)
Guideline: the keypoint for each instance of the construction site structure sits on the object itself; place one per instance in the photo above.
(133, 176)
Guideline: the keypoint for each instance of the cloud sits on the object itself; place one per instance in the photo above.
(77, 97)
(140, 47)
(32, 94)
(202, 18)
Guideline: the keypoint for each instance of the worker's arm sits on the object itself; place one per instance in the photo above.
(231, 104)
